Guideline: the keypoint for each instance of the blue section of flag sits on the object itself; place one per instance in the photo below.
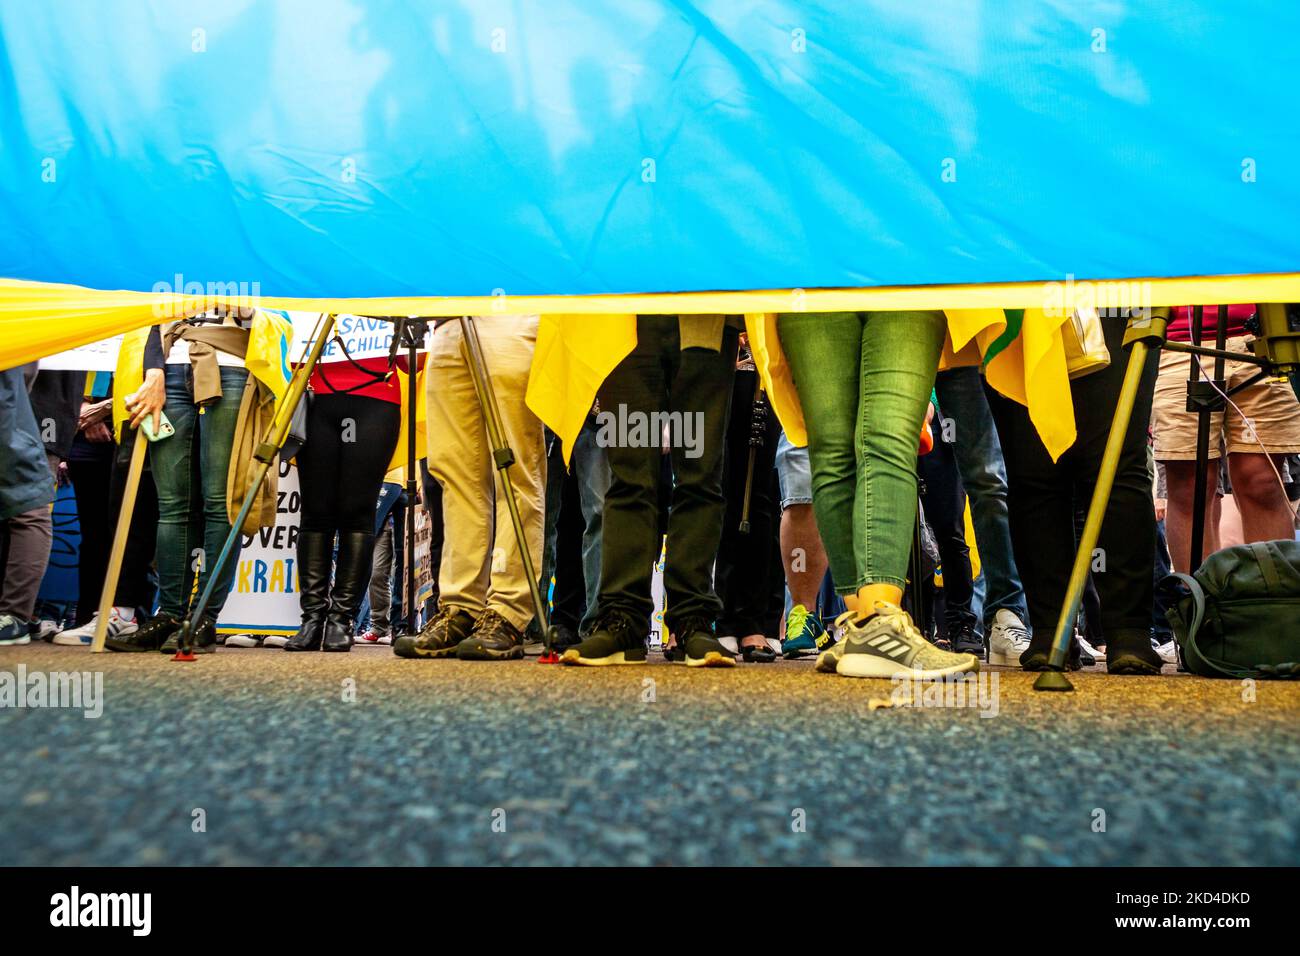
(332, 148)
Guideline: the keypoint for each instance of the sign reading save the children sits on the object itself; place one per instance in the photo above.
(355, 336)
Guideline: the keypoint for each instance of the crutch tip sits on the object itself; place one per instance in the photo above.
(550, 657)
(1053, 680)
(184, 656)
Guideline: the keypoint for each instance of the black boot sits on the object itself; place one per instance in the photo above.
(351, 579)
(1130, 652)
(315, 558)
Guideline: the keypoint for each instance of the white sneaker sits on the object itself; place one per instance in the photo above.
(84, 636)
(46, 629)
(275, 640)
(242, 640)
(1008, 639)
(1168, 653)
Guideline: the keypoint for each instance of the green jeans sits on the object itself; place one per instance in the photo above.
(864, 381)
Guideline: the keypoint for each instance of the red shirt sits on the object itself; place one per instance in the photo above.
(345, 377)
(1180, 322)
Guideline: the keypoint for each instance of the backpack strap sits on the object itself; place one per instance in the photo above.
(1267, 566)
(1198, 618)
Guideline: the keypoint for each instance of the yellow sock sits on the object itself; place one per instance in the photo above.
(869, 594)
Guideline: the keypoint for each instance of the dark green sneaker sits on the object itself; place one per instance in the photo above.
(149, 636)
(203, 641)
(701, 648)
(615, 640)
(493, 639)
(439, 637)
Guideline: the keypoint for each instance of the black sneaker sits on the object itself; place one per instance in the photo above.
(614, 640)
(15, 630)
(149, 636)
(966, 641)
(700, 647)
(202, 641)
(493, 639)
(440, 636)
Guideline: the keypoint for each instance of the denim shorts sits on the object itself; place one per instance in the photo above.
(794, 473)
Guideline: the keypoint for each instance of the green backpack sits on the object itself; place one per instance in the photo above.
(1242, 617)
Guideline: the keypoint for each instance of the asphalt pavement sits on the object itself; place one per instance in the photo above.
(256, 756)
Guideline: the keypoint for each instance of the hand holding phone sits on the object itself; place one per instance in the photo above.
(164, 429)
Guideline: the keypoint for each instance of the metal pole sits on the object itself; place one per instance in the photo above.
(1143, 335)
(265, 455)
(120, 535)
(503, 456)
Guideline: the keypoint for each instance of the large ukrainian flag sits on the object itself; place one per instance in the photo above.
(599, 160)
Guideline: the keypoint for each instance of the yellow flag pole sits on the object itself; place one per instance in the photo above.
(120, 535)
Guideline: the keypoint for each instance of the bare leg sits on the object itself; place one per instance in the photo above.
(1181, 479)
(1265, 512)
(803, 554)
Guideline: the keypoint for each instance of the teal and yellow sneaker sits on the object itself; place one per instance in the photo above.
(804, 633)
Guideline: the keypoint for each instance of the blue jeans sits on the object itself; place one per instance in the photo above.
(189, 469)
(984, 476)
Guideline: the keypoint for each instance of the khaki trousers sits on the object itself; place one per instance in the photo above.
(481, 564)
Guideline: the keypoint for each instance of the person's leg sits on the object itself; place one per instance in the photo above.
(381, 583)
(591, 467)
(508, 343)
(1265, 512)
(730, 565)
(963, 402)
(630, 538)
(557, 477)
(899, 355)
(802, 553)
(137, 582)
(824, 351)
(1128, 533)
(568, 601)
(1174, 429)
(359, 476)
(28, 554)
(945, 509)
(1040, 515)
(700, 393)
(319, 465)
(743, 567)
(1180, 477)
(170, 461)
(461, 461)
(91, 483)
(216, 439)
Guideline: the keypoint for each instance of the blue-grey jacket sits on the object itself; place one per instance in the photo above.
(25, 480)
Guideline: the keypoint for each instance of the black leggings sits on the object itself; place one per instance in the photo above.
(350, 442)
